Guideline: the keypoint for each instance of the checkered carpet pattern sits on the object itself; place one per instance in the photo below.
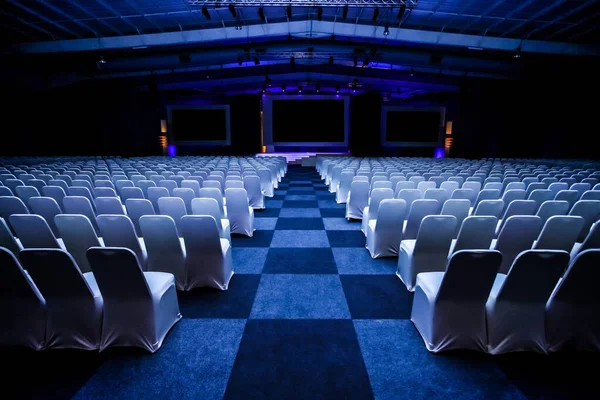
(308, 315)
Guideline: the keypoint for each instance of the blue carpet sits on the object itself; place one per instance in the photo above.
(308, 315)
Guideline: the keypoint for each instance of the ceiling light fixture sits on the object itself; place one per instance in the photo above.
(386, 31)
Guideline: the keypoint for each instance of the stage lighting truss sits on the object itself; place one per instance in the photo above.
(303, 3)
(319, 55)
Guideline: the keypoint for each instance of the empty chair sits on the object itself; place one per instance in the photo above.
(13, 183)
(358, 199)
(137, 208)
(404, 185)
(437, 180)
(552, 207)
(4, 191)
(7, 238)
(573, 308)
(255, 195)
(266, 182)
(173, 207)
(139, 307)
(168, 184)
(487, 194)
(103, 183)
(156, 178)
(73, 299)
(516, 207)
(370, 212)
(208, 206)
(429, 251)
(25, 192)
(569, 196)
(464, 194)
(449, 187)
(118, 231)
(239, 212)
(108, 205)
(559, 233)
(557, 187)
(517, 302)
(56, 192)
(131, 193)
(144, 184)
(78, 235)
(214, 193)
(80, 191)
(590, 211)
(534, 186)
(516, 186)
(416, 179)
(384, 234)
(418, 210)
(234, 184)
(83, 183)
(10, 205)
(458, 179)
(581, 188)
(449, 307)
(476, 233)
(517, 235)
(410, 196)
(476, 188)
(490, 207)
(494, 185)
(591, 195)
(33, 231)
(213, 184)
(80, 205)
(591, 241)
(191, 184)
(37, 183)
(187, 195)
(459, 208)
(155, 193)
(540, 196)
(104, 192)
(22, 306)
(426, 185)
(511, 195)
(440, 195)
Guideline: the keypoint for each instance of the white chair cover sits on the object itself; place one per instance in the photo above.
(239, 212)
(559, 233)
(517, 235)
(344, 187)
(206, 206)
(174, 207)
(476, 233)
(449, 307)
(419, 209)
(33, 231)
(255, 195)
(459, 208)
(516, 308)
(73, 299)
(385, 233)
(370, 212)
(139, 307)
(358, 199)
(78, 235)
(266, 182)
(135, 209)
(118, 231)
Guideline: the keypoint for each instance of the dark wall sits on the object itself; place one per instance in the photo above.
(365, 124)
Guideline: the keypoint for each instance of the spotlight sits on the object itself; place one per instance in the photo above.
(261, 14)
(205, 12)
(283, 88)
(412, 71)
(264, 88)
(318, 87)
(401, 11)
(292, 61)
(375, 14)
(256, 61)
(345, 12)
(319, 13)
(337, 89)
(299, 89)
(238, 26)
(101, 60)
(354, 86)
(386, 31)
(330, 60)
(288, 10)
(517, 54)
(232, 10)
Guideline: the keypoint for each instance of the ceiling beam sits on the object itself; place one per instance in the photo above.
(67, 16)
(561, 17)
(28, 24)
(319, 29)
(43, 18)
(534, 17)
(101, 21)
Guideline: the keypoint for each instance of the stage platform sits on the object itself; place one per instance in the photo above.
(304, 158)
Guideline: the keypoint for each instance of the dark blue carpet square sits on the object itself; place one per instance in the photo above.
(300, 183)
(277, 197)
(324, 195)
(321, 188)
(333, 212)
(300, 204)
(268, 213)
(346, 238)
(272, 203)
(258, 239)
(235, 302)
(299, 224)
(299, 359)
(300, 261)
(300, 190)
(377, 297)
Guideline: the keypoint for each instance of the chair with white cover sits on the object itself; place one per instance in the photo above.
(590, 211)
(459, 208)
(341, 194)
(559, 233)
(266, 182)
(108, 205)
(591, 241)
(239, 212)
(516, 307)
(23, 310)
(440, 195)
(429, 251)
(73, 299)
(118, 231)
(213, 193)
(489, 207)
(80, 205)
(255, 195)
(47, 208)
(517, 235)
(449, 307)
(135, 209)
(408, 195)
(404, 185)
(449, 187)
(7, 238)
(476, 233)
(155, 193)
(370, 211)
(33, 231)
(208, 257)
(139, 307)
(573, 308)
(415, 213)
(358, 199)
(208, 206)
(234, 184)
(78, 235)
(173, 207)
(384, 234)
(424, 186)
(516, 207)
(187, 195)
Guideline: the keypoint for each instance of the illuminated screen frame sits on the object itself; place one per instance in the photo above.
(441, 127)
(226, 142)
(268, 119)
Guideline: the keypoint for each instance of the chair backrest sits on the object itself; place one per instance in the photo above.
(391, 215)
(449, 186)
(591, 195)
(155, 193)
(518, 234)
(11, 205)
(136, 208)
(200, 235)
(56, 274)
(108, 205)
(104, 183)
(581, 188)
(80, 205)
(476, 233)
(540, 196)
(425, 185)
(144, 184)
(78, 235)
(168, 184)
(26, 192)
(56, 192)
(441, 195)
(104, 192)
(516, 186)
(213, 183)
(592, 239)
(404, 185)
(13, 183)
(214, 193)
(237, 201)
(419, 209)
(119, 276)
(409, 196)
(559, 233)
(173, 207)
(4, 191)
(590, 211)
(435, 234)
(187, 195)
(487, 194)
(376, 196)
(33, 231)
(464, 194)
(490, 207)
(7, 238)
(567, 195)
(381, 184)
(459, 208)
(552, 207)
(118, 231)
(162, 243)
(16, 285)
(469, 276)
(578, 287)
(131, 193)
(519, 207)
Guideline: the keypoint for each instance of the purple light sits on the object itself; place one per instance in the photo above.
(171, 150)
(439, 152)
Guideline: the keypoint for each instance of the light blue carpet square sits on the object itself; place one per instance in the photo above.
(249, 260)
(340, 224)
(357, 261)
(284, 296)
(297, 238)
(330, 204)
(300, 213)
(300, 197)
(273, 203)
(265, 224)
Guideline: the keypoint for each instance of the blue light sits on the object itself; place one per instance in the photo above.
(171, 150)
(439, 152)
